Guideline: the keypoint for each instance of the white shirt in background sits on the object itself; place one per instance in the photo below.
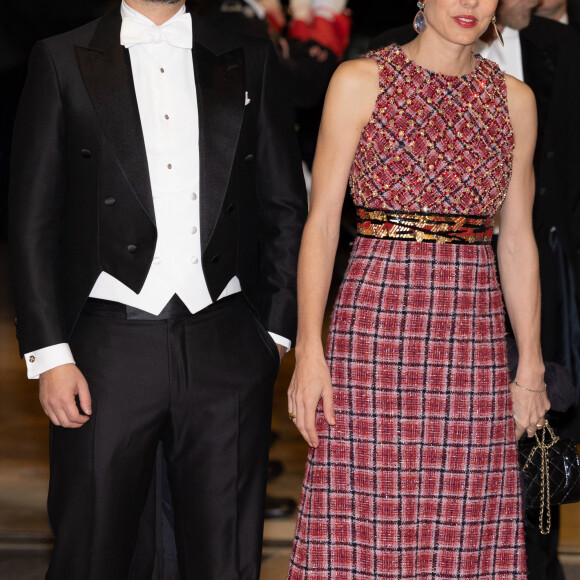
(508, 57)
(509, 60)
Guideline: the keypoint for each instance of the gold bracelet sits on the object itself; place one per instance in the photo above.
(531, 390)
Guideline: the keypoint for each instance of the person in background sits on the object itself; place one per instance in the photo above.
(325, 22)
(564, 11)
(154, 232)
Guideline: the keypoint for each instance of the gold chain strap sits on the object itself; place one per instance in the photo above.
(544, 449)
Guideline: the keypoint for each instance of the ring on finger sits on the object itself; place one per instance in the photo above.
(291, 416)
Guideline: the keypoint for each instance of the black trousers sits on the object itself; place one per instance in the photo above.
(202, 386)
(542, 551)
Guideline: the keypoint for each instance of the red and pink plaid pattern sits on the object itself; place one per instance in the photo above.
(434, 143)
(419, 478)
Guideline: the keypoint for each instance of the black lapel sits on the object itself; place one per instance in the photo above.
(106, 70)
(219, 80)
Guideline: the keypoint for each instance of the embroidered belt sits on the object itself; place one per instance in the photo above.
(423, 227)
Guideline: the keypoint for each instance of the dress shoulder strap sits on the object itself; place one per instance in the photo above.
(382, 57)
(492, 74)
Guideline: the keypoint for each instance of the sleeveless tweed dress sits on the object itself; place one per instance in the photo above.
(419, 478)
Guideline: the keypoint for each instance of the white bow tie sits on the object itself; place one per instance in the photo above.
(177, 32)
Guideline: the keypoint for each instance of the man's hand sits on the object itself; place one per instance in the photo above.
(58, 388)
(281, 351)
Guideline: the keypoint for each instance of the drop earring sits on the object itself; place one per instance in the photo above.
(419, 23)
(497, 32)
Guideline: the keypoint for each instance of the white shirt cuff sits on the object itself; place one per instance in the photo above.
(281, 341)
(44, 359)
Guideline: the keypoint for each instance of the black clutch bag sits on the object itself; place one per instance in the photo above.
(550, 473)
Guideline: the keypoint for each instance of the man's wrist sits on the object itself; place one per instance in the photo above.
(45, 359)
(281, 341)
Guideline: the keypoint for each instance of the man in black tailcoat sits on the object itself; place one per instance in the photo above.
(157, 204)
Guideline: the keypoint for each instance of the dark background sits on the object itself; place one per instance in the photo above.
(23, 22)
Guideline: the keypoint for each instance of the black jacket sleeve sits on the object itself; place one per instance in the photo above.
(282, 200)
(37, 192)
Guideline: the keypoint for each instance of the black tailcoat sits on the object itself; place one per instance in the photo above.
(81, 200)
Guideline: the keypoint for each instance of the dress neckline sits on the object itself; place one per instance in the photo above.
(408, 60)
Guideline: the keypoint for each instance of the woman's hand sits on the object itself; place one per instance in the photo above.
(310, 383)
(529, 407)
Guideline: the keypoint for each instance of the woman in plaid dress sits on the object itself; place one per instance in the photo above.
(411, 418)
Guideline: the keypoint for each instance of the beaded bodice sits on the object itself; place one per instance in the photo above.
(434, 143)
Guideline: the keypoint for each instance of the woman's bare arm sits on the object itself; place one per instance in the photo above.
(518, 263)
(348, 107)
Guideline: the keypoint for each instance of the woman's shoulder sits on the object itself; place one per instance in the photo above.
(355, 74)
(521, 103)
(363, 70)
(353, 90)
(519, 93)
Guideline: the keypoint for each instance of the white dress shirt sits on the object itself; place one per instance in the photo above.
(508, 57)
(164, 82)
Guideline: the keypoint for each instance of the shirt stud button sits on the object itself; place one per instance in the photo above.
(194, 260)
(157, 260)
(194, 230)
(162, 70)
(166, 117)
(169, 166)
(194, 196)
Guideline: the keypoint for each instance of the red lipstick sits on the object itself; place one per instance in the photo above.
(465, 20)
